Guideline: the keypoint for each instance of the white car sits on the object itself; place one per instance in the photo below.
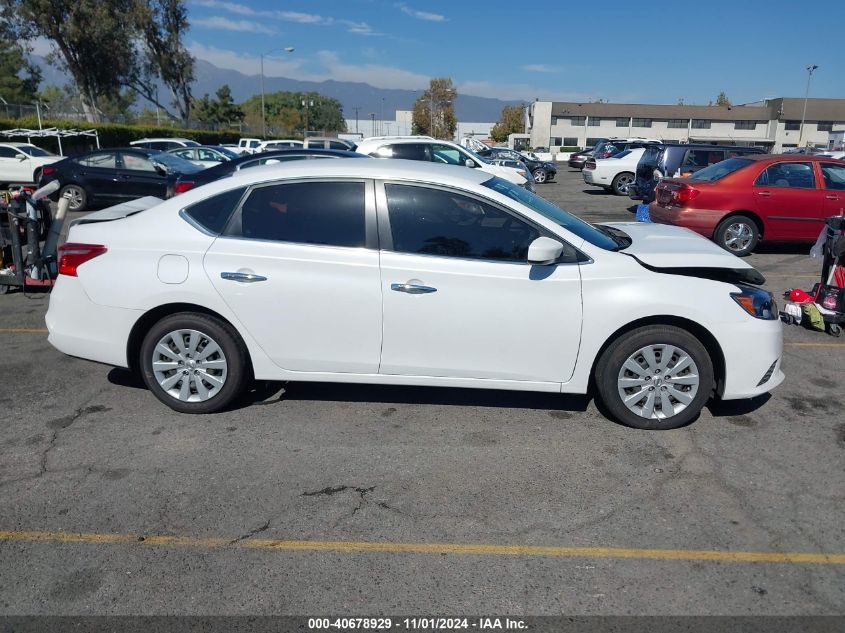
(205, 155)
(614, 173)
(427, 149)
(23, 163)
(269, 146)
(403, 273)
(247, 146)
(834, 154)
(164, 144)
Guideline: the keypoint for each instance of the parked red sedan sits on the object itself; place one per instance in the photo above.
(743, 200)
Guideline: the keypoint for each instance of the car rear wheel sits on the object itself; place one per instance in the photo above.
(737, 234)
(194, 363)
(540, 176)
(656, 377)
(621, 182)
(77, 197)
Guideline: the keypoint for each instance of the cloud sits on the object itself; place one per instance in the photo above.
(359, 28)
(219, 22)
(41, 46)
(540, 68)
(288, 66)
(420, 15)
(521, 92)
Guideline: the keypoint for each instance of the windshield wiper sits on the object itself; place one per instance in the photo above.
(621, 241)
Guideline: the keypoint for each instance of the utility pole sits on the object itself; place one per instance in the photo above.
(373, 119)
(810, 69)
(356, 108)
(288, 49)
(306, 103)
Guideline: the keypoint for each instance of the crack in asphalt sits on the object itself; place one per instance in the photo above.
(64, 422)
(362, 501)
(251, 533)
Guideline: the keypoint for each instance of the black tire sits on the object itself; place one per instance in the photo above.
(620, 183)
(79, 197)
(36, 177)
(737, 234)
(834, 330)
(609, 372)
(214, 330)
(540, 176)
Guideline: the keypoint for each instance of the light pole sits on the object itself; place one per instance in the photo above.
(373, 119)
(810, 69)
(356, 108)
(306, 103)
(287, 49)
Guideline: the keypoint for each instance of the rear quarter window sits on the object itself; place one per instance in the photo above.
(213, 213)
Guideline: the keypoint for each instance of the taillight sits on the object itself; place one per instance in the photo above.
(73, 254)
(47, 170)
(684, 194)
(591, 164)
(183, 185)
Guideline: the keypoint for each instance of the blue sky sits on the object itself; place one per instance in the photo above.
(611, 49)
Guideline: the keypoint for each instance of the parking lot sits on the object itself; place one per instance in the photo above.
(359, 500)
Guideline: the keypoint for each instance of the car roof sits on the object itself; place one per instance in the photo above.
(792, 158)
(161, 138)
(708, 146)
(16, 144)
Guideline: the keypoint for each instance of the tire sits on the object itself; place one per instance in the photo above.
(540, 176)
(78, 199)
(634, 364)
(620, 183)
(36, 177)
(209, 388)
(737, 234)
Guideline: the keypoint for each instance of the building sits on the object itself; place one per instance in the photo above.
(402, 125)
(774, 124)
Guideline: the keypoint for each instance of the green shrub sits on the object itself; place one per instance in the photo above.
(568, 149)
(110, 134)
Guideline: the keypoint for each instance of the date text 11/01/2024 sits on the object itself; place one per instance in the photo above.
(416, 624)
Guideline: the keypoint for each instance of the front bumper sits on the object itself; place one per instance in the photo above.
(753, 350)
(702, 221)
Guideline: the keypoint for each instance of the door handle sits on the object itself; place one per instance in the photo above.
(412, 289)
(832, 197)
(764, 194)
(247, 278)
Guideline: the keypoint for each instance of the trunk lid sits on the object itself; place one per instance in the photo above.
(119, 211)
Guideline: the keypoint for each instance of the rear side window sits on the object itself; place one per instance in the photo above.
(337, 145)
(699, 158)
(320, 213)
(162, 145)
(213, 213)
(407, 151)
(720, 170)
(107, 160)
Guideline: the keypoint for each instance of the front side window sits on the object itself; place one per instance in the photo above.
(8, 152)
(213, 213)
(446, 154)
(32, 150)
(834, 176)
(187, 154)
(319, 213)
(135, 162)
(427, 221)
(105, 160)
(788, 175)
(206, 154)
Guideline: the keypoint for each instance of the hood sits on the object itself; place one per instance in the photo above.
(508, 173)
(677, 250)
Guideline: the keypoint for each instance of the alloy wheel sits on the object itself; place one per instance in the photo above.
(658, 381)
(738, 236)
(76, 197)
(189, 365)
(540, 176)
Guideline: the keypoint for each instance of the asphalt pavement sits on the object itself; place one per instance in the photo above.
(317, 499)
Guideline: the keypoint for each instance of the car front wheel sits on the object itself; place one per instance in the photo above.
(540, 176)
(737, 234)
(194, 363)
(655, 377)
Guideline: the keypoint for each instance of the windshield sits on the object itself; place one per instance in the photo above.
(480, 159)
(720, 170)
(174, 163)
(588, 232)
(33, 151)
(226, 151)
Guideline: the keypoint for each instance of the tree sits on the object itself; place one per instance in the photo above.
(288, 113)
(434, 110)
(19, 78)
(511, 121)
(221, 111)
(722, 100)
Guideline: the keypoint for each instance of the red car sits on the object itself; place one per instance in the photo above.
(744, 200)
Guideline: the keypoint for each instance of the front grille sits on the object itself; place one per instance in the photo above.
(768, 374)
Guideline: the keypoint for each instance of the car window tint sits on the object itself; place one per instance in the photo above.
(162, 145)
(406, 151)
(187, 154)
(107, 160)
(8, 152)
(435, 222)
(699, 158)
(137, 163)
(789, 175)
(834, 176)
(337, 145)
(446, 154)
(207, 154)
(324, 213)
(213, 213)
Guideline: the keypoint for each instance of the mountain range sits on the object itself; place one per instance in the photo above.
(352, 95)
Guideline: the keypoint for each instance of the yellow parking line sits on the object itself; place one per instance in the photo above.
(820, 344)
(468, 549)
(23, 330)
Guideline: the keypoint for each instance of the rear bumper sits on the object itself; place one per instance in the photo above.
(753, 350)
(702, 221)
(78, 327)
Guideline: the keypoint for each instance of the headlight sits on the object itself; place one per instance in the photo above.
(521, 173)
(756, 302)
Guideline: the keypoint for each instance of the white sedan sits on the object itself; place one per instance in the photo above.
(23, 162)
(615, 173)
(407, 273)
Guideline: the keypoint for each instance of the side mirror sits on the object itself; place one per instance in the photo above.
(20, 156)
(161, 169)
(544, 251)
(470, 163)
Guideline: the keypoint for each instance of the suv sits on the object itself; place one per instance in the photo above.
(542, 171)
(320, 142)
(444, 152)
(608, 147)
(661, 161)
(164, 144)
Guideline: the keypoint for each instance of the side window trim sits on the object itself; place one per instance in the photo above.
(371, 234)
(385, 234)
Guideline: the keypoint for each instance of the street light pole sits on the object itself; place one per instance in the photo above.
(288, 49)
(810, 69)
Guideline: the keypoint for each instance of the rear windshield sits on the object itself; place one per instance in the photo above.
(720, 170)
(542, 206)
(174, 163)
